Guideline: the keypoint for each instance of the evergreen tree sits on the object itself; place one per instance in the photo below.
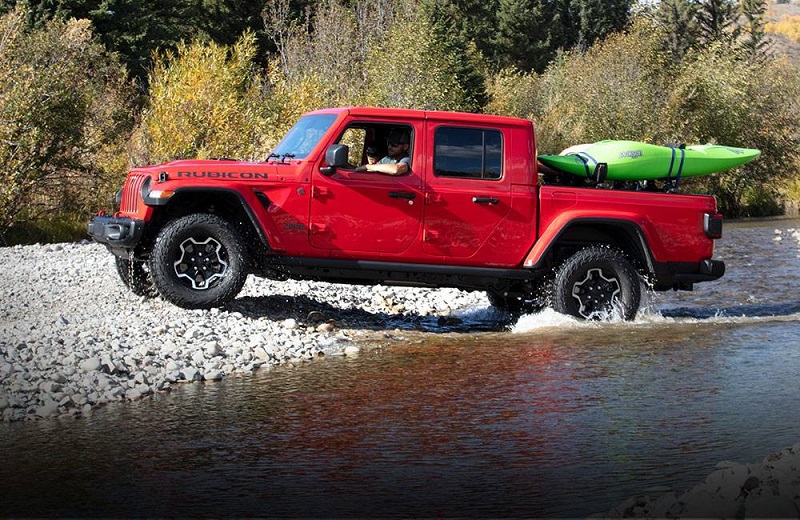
(716, 20)
(450, 30)
(753, 33)
(524, 36)
(599, 18)
(136, 29)
(476, 21)
(677, 19)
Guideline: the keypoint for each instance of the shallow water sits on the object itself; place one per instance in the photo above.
(542, 416)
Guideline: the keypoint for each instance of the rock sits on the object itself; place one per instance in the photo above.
(704, 504)
(325, 327)
(50, 387)
(91, 364)
(190, 374)
(213, 375)
(48, 409)
(289, 323)
(261, 353)
(770, 506)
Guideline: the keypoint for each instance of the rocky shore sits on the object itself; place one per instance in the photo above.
(73, 338)
(766, 489)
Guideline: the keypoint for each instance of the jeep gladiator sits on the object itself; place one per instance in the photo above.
(473, 211)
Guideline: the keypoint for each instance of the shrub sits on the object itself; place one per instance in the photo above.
(723, 99)
(205, 101)
(615, 90)
(65, 112)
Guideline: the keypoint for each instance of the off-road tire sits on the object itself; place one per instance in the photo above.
(136, 277)
(515, 304)
(199, 262)
(597, 283)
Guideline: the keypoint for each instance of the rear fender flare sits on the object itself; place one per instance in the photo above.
(560, 228)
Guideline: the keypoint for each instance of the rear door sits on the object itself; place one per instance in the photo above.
(467, 193)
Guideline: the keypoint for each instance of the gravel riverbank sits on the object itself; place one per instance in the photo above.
(72, 337)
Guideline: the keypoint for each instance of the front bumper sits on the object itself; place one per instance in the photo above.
(119, 234)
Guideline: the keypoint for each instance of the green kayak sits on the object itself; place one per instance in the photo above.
(636, 161)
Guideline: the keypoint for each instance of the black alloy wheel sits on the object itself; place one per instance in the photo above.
(597, 283)
(199, 261)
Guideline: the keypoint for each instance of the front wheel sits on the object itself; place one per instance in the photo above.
(135, 276)
(597, 283)
(199, 262)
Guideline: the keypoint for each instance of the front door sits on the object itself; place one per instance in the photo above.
(364, 211)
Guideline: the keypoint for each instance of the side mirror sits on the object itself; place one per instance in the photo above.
(336, 157)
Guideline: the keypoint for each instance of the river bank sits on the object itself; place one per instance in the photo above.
(769, 488)
(73, 338)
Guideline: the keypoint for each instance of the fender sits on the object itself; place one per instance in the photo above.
(248, 205)
(629, 222)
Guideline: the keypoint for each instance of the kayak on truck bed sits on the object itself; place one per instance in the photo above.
(635, 161)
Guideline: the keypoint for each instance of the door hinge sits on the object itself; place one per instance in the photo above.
(320, 191)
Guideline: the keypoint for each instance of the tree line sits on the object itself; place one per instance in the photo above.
(89, 89)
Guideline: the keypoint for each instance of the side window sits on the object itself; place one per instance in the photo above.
(472, 153)
(368, 142)
(354, 138)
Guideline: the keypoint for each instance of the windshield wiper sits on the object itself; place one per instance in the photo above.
(281, 157)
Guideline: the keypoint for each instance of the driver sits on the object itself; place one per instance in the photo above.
(397, 161)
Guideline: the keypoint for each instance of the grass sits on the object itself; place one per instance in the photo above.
(61, 228)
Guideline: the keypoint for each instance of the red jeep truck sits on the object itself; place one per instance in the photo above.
(470, 213)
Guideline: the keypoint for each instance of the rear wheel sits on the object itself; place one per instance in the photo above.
(199, 261)
(597, 283)
(536, 299)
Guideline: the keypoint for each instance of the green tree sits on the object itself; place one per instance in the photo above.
(614, 90)
(599, 18)
(718, 97)
(716, 21)
(476, 21)
(524, 37)
(468, 65)
(753, 35)
(676, 19)
(137, 29)
(421, 76)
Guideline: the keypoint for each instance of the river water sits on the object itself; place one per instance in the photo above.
(542, 416)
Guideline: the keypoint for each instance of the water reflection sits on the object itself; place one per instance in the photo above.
(553, 418)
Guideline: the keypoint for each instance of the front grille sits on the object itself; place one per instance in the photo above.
(132, 193)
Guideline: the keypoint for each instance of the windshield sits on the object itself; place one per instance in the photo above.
(304, 136)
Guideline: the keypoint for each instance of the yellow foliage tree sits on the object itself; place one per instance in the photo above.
(205, 101)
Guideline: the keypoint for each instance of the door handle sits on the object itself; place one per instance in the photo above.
(486, 200)
(402, 195)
